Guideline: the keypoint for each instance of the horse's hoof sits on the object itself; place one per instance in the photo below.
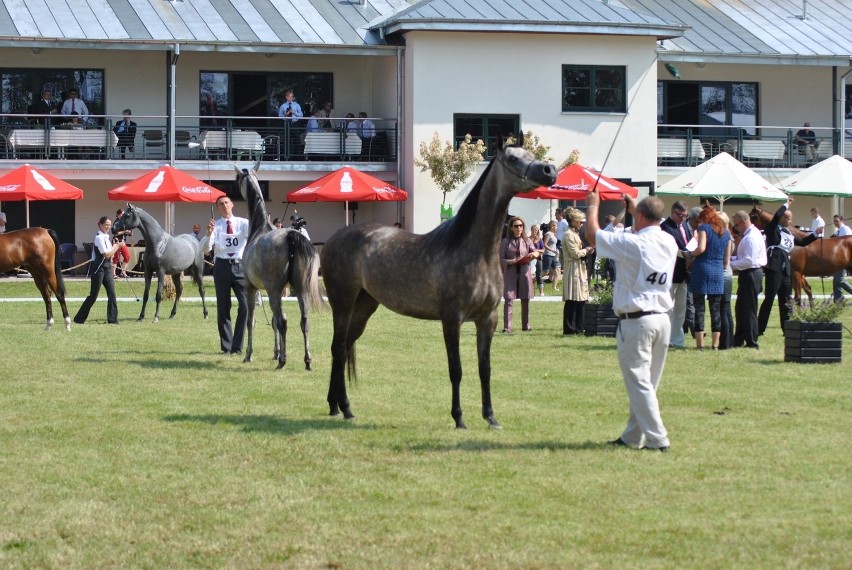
(247, 358)
(156, 320)
(333, 410)
(280, 366)
(460, 425)
(348, 415)
(307, 365)
(494, 424)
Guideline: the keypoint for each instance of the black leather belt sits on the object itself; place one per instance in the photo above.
(638, 314)
(228, 261)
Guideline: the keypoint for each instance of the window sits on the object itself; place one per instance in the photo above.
(485, 127)
(594, 88)
(713, 105)
(20, 89)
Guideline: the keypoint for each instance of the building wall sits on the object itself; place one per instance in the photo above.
(447, 73)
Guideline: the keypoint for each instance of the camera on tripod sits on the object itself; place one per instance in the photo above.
(298, 222)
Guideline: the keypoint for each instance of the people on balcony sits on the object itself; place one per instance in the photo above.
(805, 139)
(75, 105)
(290, 109)
(368, 128)
(327, 113)
(43, 106)
(125, 130)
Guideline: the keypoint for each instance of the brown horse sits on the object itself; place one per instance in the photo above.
(820, 258)
(37, 251)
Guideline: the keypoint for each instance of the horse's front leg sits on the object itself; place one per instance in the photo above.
(452, 329)
(337, 399)
(161, 278)
(148, 275)
(279, 328)
(251, 294)
(484, 334)
(176, 279)
(198, 276)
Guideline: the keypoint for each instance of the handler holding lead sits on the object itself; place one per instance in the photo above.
(645, 258)
(228, 236)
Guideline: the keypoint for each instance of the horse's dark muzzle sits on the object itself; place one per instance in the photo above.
(542, 173)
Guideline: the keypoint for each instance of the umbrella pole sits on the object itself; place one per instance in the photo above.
(346, 212)
(28, 211)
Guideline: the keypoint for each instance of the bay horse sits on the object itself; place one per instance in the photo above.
(272, 259)
(166, 255)
(37, 251)
(825, 256)
(451, 274)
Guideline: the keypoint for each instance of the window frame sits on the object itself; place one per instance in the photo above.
(593, 71)
(487, 136)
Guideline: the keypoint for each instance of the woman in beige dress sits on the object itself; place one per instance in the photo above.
(575, 276)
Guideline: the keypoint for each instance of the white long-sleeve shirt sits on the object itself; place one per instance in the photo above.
(751, 253)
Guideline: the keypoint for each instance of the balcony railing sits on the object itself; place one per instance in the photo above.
(755, 146)
(56, 137)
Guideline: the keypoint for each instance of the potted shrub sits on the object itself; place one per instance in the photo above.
(814, 333)
(600, 319)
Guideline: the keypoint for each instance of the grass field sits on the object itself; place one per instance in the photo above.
(139, 446)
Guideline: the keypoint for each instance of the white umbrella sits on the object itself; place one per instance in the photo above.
(830, 177)
(722, 177)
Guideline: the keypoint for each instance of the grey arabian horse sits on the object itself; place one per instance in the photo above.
(451, 274)
(165, 255)
(272, 259)
(37, 251)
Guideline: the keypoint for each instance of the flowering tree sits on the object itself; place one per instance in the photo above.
(449, 168)
(532, 144)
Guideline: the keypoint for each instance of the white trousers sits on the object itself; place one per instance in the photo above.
(642, 349)
(678, 314)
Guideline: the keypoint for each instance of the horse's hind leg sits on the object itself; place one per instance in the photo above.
(279, 329)
(349, 325)
(198, 277)
(176, 279)
(303, 323)
(45, 294)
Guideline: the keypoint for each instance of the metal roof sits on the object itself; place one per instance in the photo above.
(195, 24)
(756, 31)
(537, 16)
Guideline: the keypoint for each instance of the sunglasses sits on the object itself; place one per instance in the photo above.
(517, 225)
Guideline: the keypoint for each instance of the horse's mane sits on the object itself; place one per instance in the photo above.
(450, 234)
(258, 219)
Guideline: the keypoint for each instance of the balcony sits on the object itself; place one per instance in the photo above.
(199, 143)
(757, 147)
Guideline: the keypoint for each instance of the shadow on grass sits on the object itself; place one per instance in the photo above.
(160, 363)
(480, 445)
(269, 424)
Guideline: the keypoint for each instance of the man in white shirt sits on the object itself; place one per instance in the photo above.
(75, 105)
(646, 259)
(817, 224)
(839, 285)
(561, 226)
(749, 259)
(229, 235)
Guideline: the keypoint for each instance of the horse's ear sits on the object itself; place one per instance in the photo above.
(499, 142)
(520, 143)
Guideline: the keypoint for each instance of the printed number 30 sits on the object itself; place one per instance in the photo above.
(657, 278)
(232, 242)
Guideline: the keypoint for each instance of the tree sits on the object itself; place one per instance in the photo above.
(449, 168)
(532, 144)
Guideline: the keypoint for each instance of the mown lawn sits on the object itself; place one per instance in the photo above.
(139, 446)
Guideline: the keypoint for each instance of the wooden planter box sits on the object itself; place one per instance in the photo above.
(600, 320)
(812, 342)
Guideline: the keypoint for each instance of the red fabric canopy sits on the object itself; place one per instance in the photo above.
(166, 184)
(29, 183)
(574, 182)
(347, 185)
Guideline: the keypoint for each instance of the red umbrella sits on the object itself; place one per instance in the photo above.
(166, 184)
(574, 182)
(28, 183)
(348, 185)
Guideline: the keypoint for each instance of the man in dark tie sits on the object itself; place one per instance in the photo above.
(676, 226)
(125, 130)
(43, 106)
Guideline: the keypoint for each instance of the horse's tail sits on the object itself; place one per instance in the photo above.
(304, 268)
(57, 265)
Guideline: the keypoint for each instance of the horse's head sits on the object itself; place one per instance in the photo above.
(129, 219)
(523, 168)
(250, 190)
(759, 217)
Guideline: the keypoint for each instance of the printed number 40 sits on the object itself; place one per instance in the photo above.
(657, 278)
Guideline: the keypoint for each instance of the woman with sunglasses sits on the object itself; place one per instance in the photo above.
(516, 252)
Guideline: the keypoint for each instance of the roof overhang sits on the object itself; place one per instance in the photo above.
(660, 32)
(197, 46)
(665, 56)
